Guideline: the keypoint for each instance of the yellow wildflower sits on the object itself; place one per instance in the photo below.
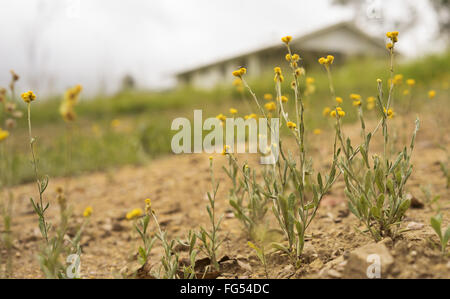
(286, 39)
(148, 204)
(226, 150)
(133, 214)
(268, 97)
(288, 57)
(389, 113)
(326, 111)
(357, 103)
(295, 57)
(28, 96)
(87, 212)
(431, 94)
(310, 80)
(355, 96)
(299, 71)
(3, 134)
(339, 100)
(221, 117)
(411, 82)
(233, 111)
(317, 131)
(271, 106)
(291, 125)
(283, 99)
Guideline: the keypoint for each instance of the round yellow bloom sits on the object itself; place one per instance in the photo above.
(295, 57)
(239, 72)
(28, 96)
(370, 99)
(310, 80)
(226, 150)
(291, 125)
(322, 60)
(286, 39)
(370, 106)
(389, 46)
(268, 97)
(411, 82)
(87, 212)
(221, 117)
(115, 123)
(148, 203)
(271, 106)
(3, 134)
(326, 61)
(288, 57)
(326, 111)
(317, 131)
(133, 214)
(283, 99)
(357, 103)
(340, 112)
(233, 111)
(299, 71)
(339, 100)
(277, 70)
(389, 113)
(355, 96)
(431, 94)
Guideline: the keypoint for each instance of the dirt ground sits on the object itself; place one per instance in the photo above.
(177, 185)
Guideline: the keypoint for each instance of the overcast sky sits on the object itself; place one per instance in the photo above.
(53, 44)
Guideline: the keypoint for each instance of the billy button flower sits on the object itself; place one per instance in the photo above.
(356, 99)
(340, 112)
(268, 97)
(411, 82)
(271, 106)
(28, 96)
(326, 61)
(291, 125)
(370, 103)
(389, 113)
(239, 72)
(148, 203)
(251, 115)
(299, 71)
(233, 111)
(278, 76)
(339, 100)
(221, 117)
(133, 214)
(286, 39)
(326, 111)
(226, 150)
(431, 94)
(317, 131)
(283, 99)
(88, 212)
(3, 134)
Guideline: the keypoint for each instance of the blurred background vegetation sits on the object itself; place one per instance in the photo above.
(133, 127)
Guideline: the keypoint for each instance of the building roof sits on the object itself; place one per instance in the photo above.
(347, 25)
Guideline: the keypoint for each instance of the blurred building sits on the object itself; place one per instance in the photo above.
(341, 40)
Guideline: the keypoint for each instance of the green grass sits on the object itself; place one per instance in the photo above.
(146, 117)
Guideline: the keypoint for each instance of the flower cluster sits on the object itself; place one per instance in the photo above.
(28, 96)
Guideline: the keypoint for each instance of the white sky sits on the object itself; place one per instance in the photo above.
(53, 44)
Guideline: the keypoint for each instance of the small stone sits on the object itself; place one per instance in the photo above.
(362, 262)
(415, 225)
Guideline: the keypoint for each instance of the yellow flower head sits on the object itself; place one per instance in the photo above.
(237, 82)
(340, 112)
(226, 150)
(148, 206)
(133, 214)
(3, 134)
(239, 72)
(115, 123)
(288, 57)
(87, 212)
(393, 36)
(406, 92)
(339, 100)
(283, 99)
(233, 111)
(431, 94)
(277, 70)
(299, 71)
(355, 96)
(326, 61)
(271, 106)
(389, 113)
(370, 100)
(317, 131)
(411, 82)
(295, 57)
(326, 111)
(28, 96)
(286, 39)
(389, 46)
(310, 80)
(221, 117)
(268, 97)
(398, 79)
(291, 125)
